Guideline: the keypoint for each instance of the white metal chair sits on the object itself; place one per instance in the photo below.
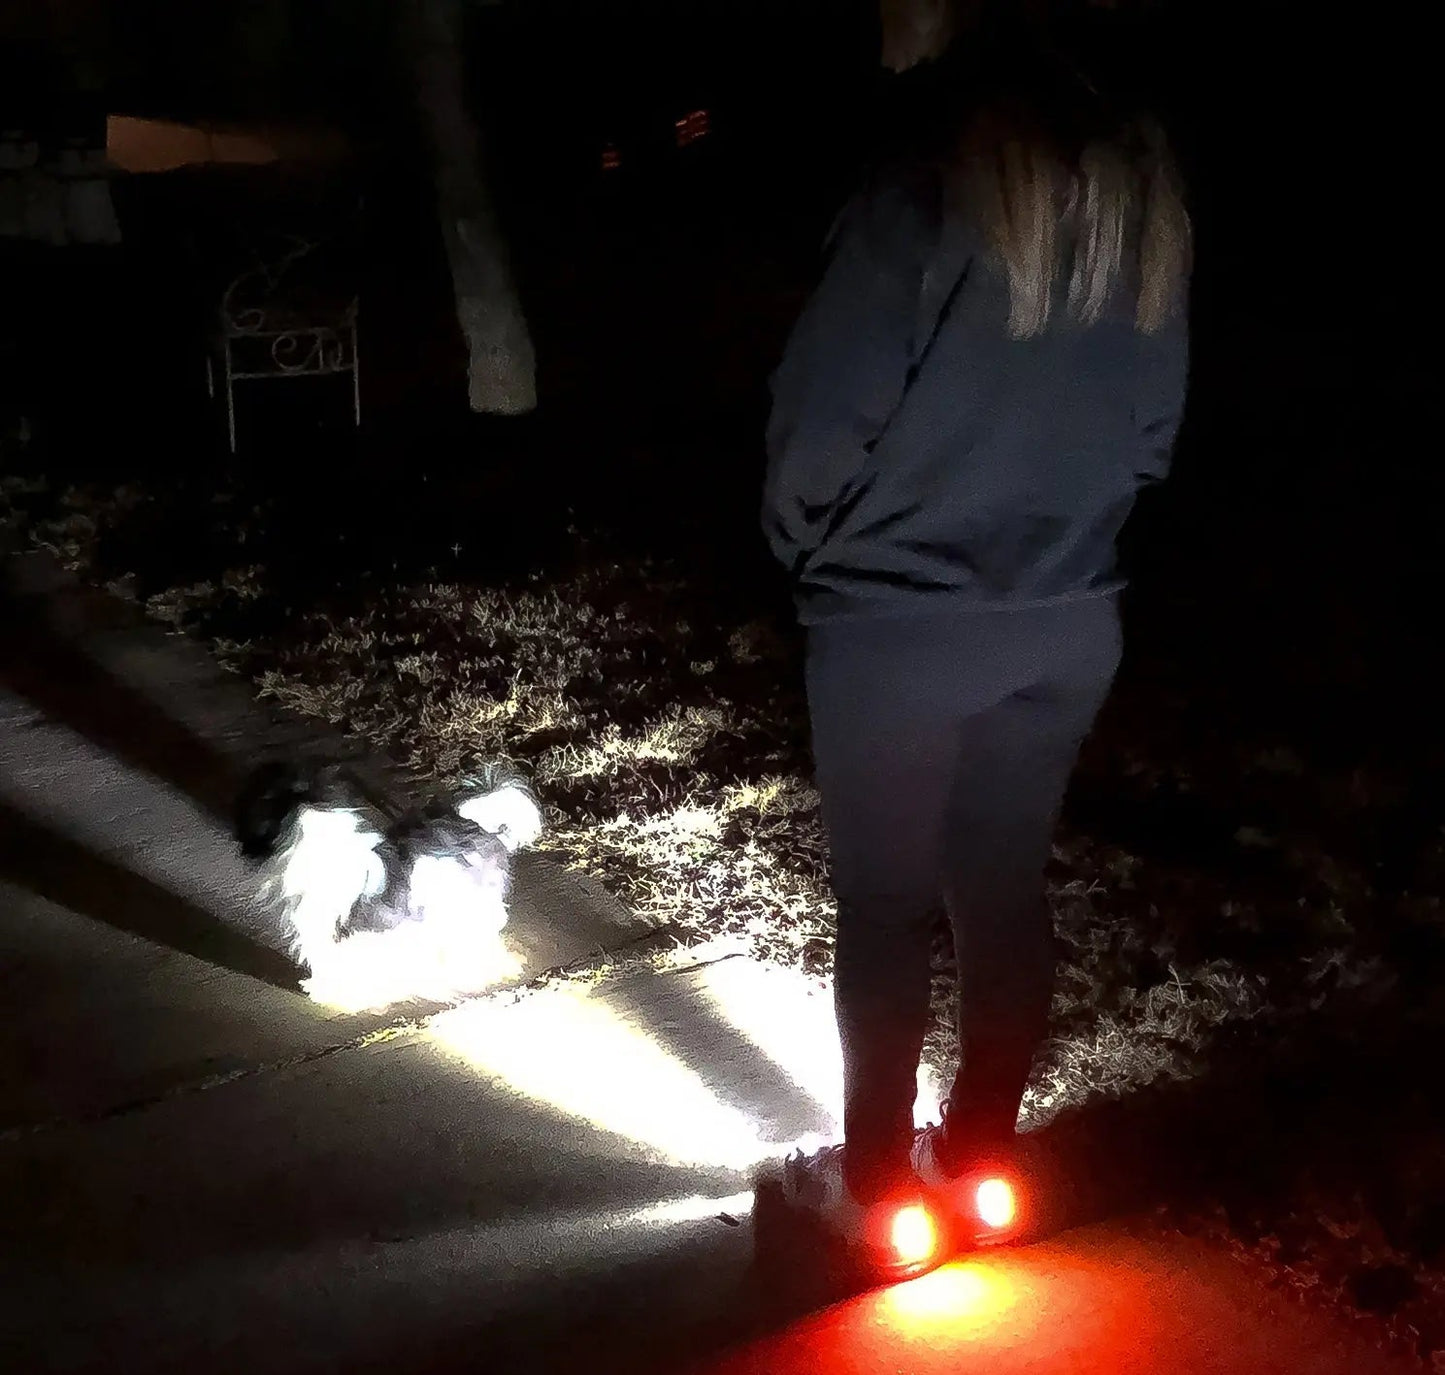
(275, 323)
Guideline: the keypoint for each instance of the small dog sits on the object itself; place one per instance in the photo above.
(385, 906)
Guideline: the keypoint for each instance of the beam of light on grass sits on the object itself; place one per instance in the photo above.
(564, 1048)
(788, 1016)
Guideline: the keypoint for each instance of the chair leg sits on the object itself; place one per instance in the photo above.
(230, 399)
(355, 379)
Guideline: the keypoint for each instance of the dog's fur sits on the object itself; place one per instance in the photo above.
(385, 905)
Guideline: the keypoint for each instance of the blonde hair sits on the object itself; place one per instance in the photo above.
(1077, 218)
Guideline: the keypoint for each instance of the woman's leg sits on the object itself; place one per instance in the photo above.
(884, 716)
(1012, 768)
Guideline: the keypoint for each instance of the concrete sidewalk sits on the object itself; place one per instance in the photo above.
(514, 1185)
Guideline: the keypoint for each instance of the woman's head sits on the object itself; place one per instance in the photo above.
(1075, 188)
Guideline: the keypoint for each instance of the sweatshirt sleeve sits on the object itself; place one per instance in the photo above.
(844, 370)
(1163, 375)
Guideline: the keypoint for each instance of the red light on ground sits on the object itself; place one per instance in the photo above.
(914, 1235)
(962, 1301)
(995, 1203)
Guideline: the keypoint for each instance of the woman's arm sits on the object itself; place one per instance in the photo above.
(1161, 385)
(845, 368)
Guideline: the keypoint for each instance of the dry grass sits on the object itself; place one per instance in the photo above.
(670, 756)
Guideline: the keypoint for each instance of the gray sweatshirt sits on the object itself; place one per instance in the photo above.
(919, 459)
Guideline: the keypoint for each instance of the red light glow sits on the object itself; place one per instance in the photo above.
(995, 1203)
(960, 1300)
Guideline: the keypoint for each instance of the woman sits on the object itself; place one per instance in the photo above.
(991, 367)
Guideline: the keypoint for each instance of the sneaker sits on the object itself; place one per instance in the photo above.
(982, 1189)
(897, 1237)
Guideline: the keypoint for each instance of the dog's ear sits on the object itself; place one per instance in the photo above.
(499, 801)
(268, 802)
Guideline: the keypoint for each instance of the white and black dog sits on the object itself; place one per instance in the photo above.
(386, 905)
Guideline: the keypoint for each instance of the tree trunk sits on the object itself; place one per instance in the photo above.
(502, 372)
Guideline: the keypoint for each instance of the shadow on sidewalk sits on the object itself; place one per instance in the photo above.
(42, 664)
(63, 871)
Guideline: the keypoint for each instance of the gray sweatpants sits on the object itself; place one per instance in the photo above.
(943, 746)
